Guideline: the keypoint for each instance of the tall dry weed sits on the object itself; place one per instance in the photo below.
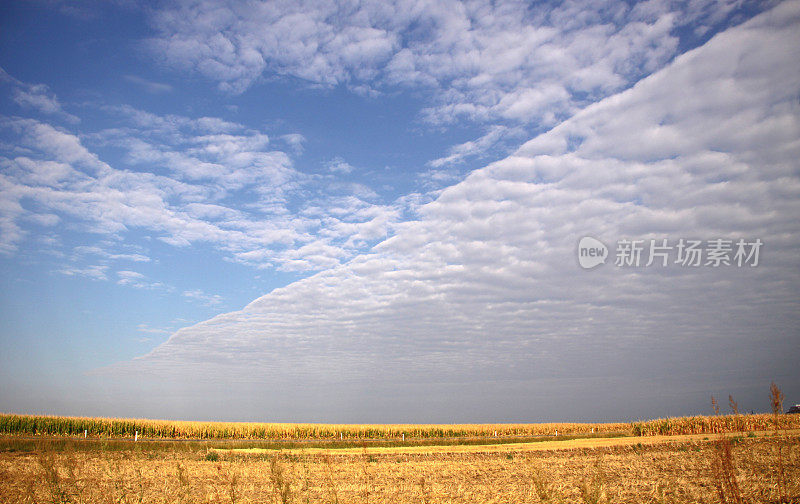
(776, 401)
(723, 464)
(592, 489)
(544, 489)
(329, 479)
(281, 486)
(365, 459)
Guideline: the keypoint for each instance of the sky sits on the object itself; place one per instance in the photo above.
(381, 212)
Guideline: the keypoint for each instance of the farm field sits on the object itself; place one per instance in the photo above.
(682, 468)
(38, 425)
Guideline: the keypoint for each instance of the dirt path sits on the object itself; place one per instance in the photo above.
(500, 448)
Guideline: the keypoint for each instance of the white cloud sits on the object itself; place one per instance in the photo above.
(96, 272)
(476, 147)
(511, 63)
(35, 96)
(104, 253)
(199, 296)
(510, 60)
(129, 275)
(181, 184)
(339, 165)
(149, 86)
(11, 210)
(485, 286)
(43, 219)
(172, 124)
(61, 146)
(295, 141)
(139, 281)
(38, 98)
(130, 278)
(151, 330)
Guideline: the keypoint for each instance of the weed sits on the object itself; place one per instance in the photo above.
(306, 482)
(365, 460)
(140, 485)
(280, 483)
(329, 475)
(723, 467)
(542, 487)
(776, 401)
(53, 480)
(424, 490)
(183, 483)
(230, 479)
(733, 405)
(115, 475)
(592, 491)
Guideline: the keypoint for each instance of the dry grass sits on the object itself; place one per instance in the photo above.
(633, 473)
(539, 445)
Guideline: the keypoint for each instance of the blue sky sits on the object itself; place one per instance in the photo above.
(368, 212)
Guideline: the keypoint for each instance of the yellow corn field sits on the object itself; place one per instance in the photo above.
(169, 429)
(715, 424)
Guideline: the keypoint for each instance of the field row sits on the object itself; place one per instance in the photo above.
(165, 429)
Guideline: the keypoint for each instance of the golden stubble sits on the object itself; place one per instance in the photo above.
(633, 473)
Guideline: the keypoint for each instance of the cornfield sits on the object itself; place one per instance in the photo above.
(168, 429)
(715, 424)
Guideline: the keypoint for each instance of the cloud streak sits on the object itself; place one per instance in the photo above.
(149, 86)
(37, 97)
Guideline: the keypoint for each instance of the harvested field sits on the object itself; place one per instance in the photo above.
(620, 470)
